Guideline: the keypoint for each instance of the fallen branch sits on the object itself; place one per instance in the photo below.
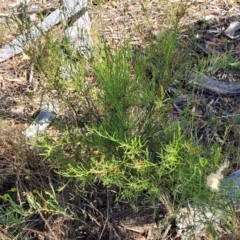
(69, 9)
(207, 84)
(74, 14)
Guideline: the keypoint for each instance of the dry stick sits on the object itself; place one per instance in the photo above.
(94, 219)
(48, 226)
(76, 16)
(40, 233)
(209, 85)
(199, 46)
(106, 220)
(91, 205)
(73, 13)
(30, 79)
(70, 8)
(5, 235)
(38, 11)
(16, 46)
(164, 236)
(136, 229)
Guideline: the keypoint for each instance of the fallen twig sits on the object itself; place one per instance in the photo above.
(207, 84)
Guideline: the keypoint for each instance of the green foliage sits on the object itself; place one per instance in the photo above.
(133, 146)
